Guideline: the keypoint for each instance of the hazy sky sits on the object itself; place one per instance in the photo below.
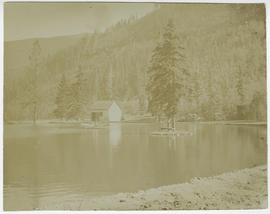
(31, 20)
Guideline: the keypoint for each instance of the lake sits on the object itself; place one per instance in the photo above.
(48, 164)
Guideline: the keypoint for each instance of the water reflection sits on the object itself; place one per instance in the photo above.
(77, 164)
(114, 141)
(211, 151)
(114, 134)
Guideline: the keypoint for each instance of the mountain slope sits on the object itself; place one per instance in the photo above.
(16, 52)
(224, 47)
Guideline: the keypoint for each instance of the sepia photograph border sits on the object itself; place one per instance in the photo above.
(267, 6)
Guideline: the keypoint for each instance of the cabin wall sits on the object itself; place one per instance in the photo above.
(115, 113)
(105, 116)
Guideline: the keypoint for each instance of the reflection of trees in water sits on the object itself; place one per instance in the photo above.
(212, 150)
(129, 159)
(137, 159)
(173, 159)
(77, 159)
(255, 138)
(22, 169)
(222, 148)
(36, 173)
(167, 157)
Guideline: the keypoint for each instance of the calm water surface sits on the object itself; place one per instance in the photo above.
(47, 165)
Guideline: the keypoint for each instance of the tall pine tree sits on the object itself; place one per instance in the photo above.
(77, 96)
(32, 98)
(61, 100)
(164, 76)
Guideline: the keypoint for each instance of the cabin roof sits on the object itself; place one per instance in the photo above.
(101, 105)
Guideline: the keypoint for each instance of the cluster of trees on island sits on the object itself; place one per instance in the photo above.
(169, 68)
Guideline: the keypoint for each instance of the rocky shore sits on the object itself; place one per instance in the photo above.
(243, 189)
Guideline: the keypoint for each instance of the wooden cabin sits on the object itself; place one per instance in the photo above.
(106, 111)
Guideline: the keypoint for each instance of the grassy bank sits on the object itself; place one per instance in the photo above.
(244, 189)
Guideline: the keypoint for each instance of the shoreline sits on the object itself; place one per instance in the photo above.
(242, 189)
(145, 120)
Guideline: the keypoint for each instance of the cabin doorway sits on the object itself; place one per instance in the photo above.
(96, 116)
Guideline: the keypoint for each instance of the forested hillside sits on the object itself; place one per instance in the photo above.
(225, 57)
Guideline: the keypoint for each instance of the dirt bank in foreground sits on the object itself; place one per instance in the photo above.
(244, 189)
